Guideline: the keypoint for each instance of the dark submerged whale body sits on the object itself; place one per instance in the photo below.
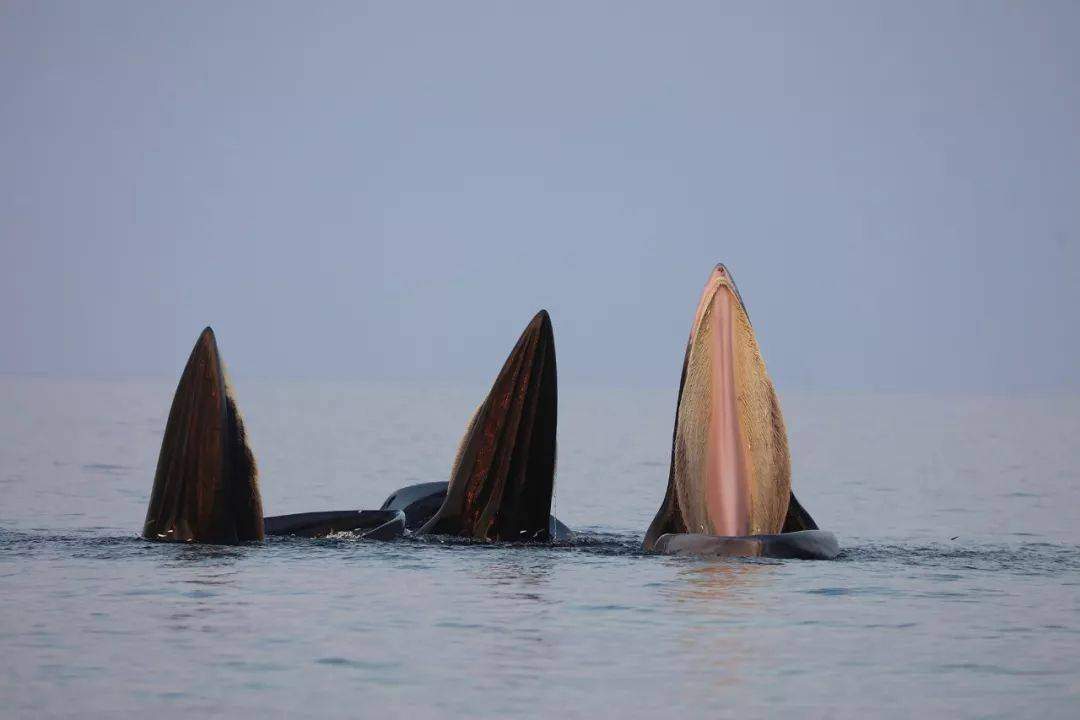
(729, 482)
(206, 486)
(367, 524)
(419, 503)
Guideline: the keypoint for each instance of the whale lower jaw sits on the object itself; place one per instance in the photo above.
(800, 545)
(206, 486)
(502, 480)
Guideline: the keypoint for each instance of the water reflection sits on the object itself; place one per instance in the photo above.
(719, 586)
(721, 596)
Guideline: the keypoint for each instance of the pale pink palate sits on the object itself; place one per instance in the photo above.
(727, 474)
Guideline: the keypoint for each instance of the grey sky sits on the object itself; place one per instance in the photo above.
(390, 191)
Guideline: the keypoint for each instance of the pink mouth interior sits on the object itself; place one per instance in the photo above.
(727, 481)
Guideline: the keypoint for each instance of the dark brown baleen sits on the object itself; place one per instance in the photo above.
(206, 486)
(501, 483)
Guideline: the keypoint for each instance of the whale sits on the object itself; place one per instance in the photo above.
(206, 485)
(729, 478)
(729, 482)
(503, 475)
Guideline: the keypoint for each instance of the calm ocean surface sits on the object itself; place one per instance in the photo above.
(957, 595)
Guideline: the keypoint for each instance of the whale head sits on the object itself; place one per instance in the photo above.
(730, 471)
(206, 486)
(504, 473)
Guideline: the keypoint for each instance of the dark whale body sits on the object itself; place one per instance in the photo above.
(419, 503)
(800, 545)
(405, 511)
(368, 524)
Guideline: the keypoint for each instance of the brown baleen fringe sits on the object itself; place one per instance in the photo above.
(763, 429)
(469, 427)
(694, 424)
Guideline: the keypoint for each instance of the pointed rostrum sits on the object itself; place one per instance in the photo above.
(206, 485)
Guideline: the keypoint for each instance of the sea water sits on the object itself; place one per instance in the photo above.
(957, 593)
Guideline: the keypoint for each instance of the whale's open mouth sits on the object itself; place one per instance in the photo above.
(730, 467)
(714, 489)
(727, 489)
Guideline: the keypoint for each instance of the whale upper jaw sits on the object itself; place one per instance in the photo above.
(502, 480)
(206, 485)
